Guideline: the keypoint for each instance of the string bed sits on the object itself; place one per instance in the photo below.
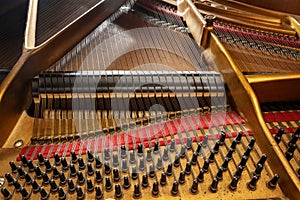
(259, 52)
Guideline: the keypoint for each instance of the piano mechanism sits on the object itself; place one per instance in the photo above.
(157, 99)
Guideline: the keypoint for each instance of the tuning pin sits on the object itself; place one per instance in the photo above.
(116, 175)
(233, 145)
(126, 183)
(289, 155)
(107, 168)
(211, 157)
(290, 152)
(61, 194)
(172, 145)
(98, 162)
(247, 152)
(166, 154)
(219, 175)
(189, 143)
(262, 159)
(71, 186)
(81, 164)
(149, 155)
(56, 159)
(251, 143)
(13, 167)
(79, 192)
(90, 186)
(132, 158)
(90, 170)
(200, 176)
(239, 171)
(98, 177)
(199, 147)
(41, 159)
(225, 164)
(222, 138)
(182, 151)
(216, 147)
(293, 140)
(233, 183)
(205, 165)
(35, 186)
(80, 178)
(279, 135)
(115, 161)
(30, 165)
(9, 178)
(142, 164)
(194, 188)
(252, 184)
(108, 184)
(45, 178)
(99, 193)
(145, 182)
(151, 171)
(243, 161)
(169, 169)
(239, 137)
(16, 184)
(156, 147)
(229, 154)
(136, 191)
(38, 172)
(21, 172)
(73, 171)
(205, 141)
(174, 190)
(155, 189)
(53, 186)
(258, 170)
(24, 160)
(62, 178)
(55, 172)
(6, 194)
(214, 185)
(24, 193)
(273, 182)
(194, 158)
(106, 154)
(90, 156)
(163, 178)
(177, 161)
(123, 152)
(159, 164)
(73, 157)
(64, 163)
(48, 165)
(181, 177)
(188, 168)
(140, 150)
(44, 193)
(28, 179)
(118, 191)
(134, 174)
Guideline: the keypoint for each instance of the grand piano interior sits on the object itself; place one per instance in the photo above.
(159, 99)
